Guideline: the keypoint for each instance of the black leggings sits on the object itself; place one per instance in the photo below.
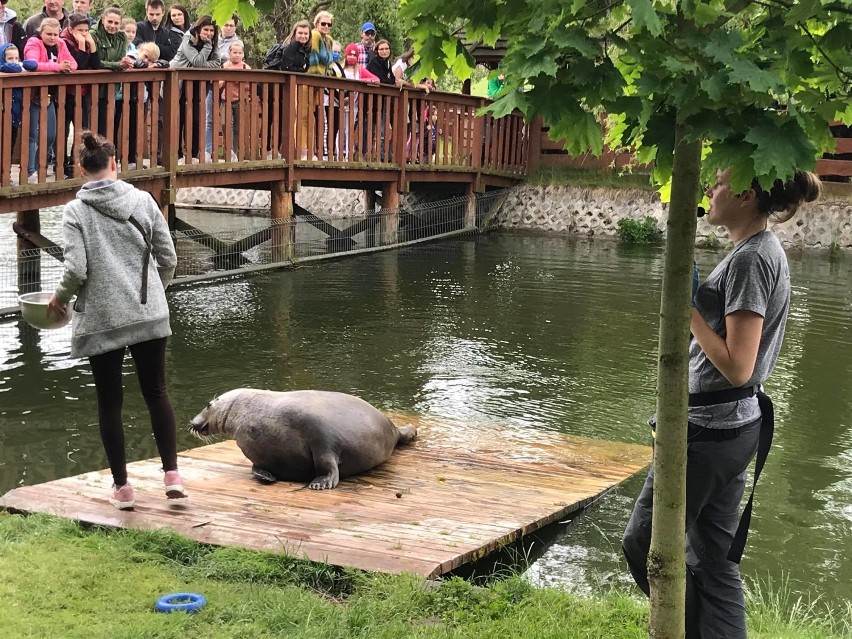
(150, 360)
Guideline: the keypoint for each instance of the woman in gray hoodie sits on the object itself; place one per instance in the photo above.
(111, 232)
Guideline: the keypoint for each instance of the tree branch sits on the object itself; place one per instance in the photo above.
(842, 75)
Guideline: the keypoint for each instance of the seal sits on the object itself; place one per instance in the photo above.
(305, 435)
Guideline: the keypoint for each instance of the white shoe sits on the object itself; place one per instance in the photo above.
(181, 161)
(208, 157)
(32, 178)
(131, 166)
(51, 170)
(195, 160)
(234, 157)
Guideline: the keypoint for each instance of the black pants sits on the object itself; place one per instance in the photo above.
(86, 112)
(196, 110)
(150, 360)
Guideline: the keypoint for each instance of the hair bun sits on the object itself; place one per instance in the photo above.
(809, 185)
(89, 140)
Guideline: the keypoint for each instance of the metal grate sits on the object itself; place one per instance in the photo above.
(205, 254)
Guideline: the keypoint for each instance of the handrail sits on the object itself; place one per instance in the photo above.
(271, 119)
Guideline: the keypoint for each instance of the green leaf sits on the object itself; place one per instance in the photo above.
(802, 10)
(645, 17)
(576, 41)
(779, 150)
(737, 156)
(506, 104)
(581, 131)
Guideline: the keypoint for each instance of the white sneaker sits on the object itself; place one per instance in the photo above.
(234, 157)
(181, 161)
(32, 178)
(51, 170)
(131, 166)
(195, 160)
(208, 157)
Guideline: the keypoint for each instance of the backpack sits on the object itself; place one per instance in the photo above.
(274, 57)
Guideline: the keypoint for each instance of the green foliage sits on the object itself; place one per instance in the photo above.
(279, 17)
(61, 580)
(756, 82)
(641, 232)
(834, 250)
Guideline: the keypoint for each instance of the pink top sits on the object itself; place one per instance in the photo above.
(230, 91)
(36, 50)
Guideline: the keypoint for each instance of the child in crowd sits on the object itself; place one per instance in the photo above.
(51, 54)
(83, 48)
(10, 62)
(145, 56)
(230, 94)
(128, 25)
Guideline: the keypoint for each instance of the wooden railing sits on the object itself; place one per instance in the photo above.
(278, 120)
(546, 153)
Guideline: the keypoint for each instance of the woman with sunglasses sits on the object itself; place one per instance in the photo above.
(322, 46)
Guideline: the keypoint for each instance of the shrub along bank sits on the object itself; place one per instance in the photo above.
(60, 580)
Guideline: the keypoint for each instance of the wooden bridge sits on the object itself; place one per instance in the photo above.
(281, 132)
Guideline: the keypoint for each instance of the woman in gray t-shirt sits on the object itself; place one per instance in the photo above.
(738, 319)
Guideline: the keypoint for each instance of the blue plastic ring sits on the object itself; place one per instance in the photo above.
(181, 602)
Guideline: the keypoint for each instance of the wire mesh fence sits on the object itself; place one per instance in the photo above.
(261, 243)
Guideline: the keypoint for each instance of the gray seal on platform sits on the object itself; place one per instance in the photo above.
(305, 435)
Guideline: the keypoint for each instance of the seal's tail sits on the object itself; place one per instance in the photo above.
(406, 434)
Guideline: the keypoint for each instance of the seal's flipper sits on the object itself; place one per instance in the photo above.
(263, 475)
(406, 434)
(328, 474)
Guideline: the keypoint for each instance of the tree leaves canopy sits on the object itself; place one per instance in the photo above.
(757, 82)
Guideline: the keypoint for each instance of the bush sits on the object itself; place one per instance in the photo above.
(639, 232)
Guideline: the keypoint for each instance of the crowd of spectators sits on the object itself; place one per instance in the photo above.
(58, 41)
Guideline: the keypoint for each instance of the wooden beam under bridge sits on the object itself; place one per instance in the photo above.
(39, 241)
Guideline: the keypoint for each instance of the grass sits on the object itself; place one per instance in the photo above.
(60, 580)
(547, 176)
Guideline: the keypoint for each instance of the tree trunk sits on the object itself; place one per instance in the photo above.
(666, 561)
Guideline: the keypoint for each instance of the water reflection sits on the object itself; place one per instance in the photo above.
(529, 333)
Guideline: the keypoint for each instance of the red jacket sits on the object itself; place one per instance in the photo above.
(35, 50)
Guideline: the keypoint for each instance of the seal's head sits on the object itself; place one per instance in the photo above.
(213, 419)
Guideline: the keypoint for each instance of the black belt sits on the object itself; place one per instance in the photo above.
(723, 396)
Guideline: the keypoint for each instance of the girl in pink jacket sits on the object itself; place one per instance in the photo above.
(51, 54)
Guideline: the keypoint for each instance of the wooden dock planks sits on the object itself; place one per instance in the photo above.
(459, 492)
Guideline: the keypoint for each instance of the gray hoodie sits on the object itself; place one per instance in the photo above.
(104, 255)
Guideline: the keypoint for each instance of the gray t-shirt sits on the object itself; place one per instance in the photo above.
(753, 277)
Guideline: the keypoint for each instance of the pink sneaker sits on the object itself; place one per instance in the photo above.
(174, 485)
(122, 497)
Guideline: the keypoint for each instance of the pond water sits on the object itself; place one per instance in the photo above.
(531, 332)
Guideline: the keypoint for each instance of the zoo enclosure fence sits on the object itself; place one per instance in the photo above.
(260, 244)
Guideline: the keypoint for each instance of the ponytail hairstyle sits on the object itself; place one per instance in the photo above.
(782, 201)
(95, 152)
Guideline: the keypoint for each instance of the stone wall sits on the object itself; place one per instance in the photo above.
(596, 211)
(558, 209)
(324, 202)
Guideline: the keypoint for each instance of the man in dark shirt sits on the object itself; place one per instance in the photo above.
(51, 9)
(153, 30)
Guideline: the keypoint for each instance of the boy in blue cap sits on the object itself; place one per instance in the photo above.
(367, 46)
(10, 62)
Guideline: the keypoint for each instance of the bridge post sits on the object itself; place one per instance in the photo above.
(29, 268)
(371, 217)
(283, 235)
(390, 213)
(470, 207)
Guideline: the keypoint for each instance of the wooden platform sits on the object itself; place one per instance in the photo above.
(460, 492)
